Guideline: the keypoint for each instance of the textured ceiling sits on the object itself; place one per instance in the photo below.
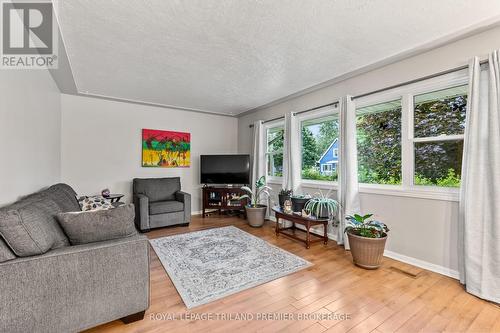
(231, 56)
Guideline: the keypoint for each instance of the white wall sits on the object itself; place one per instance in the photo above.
(30, 113)
(101, 143)
(423, 231)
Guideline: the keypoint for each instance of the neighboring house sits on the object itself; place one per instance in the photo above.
(328, 162)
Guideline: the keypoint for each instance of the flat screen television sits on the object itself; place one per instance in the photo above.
(225, 169)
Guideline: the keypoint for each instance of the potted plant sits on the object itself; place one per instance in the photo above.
(283, 196)
(322, 206)
(299, 201)
(367, 240)
(254, 210)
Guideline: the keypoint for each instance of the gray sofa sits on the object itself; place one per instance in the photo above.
(159, 202)
(68, 288)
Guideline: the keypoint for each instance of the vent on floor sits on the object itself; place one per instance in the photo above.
(413, 274)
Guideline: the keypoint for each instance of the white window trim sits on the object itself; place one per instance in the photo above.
(274, 180)
(267, 127)
(319, 184)
(320, 113)
(406, 94)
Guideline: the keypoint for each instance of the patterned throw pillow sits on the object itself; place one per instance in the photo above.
(96, 202)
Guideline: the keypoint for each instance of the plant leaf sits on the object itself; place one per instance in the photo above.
(248, 189)
(358, 217)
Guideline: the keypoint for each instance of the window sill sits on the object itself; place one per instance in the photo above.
(443, 194)
(274, 180)
(319, 184)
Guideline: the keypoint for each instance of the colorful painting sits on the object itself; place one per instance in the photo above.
(165, 149)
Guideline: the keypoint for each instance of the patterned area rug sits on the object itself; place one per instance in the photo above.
(210, 264)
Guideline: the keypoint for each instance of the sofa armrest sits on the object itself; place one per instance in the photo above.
(76, 287)
(141, 203)
(186, 199)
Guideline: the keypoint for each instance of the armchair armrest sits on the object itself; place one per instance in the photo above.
(141, 203)
(186, 199)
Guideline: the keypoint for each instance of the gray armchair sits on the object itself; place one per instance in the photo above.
(159, 202)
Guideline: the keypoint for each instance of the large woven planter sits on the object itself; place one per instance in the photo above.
(367, 252)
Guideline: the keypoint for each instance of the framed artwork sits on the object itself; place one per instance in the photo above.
(165, 149)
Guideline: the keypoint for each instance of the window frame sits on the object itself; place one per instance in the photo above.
(320, 113)
(267, 127)
(406, 94)
(380, 99)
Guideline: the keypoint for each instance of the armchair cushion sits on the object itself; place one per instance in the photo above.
(162, 207)
(157, 189)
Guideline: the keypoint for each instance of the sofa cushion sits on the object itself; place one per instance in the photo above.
(31, 229)
(162, 207)
(97, 226)
(5, 252)
(58, 198)
(157, 189)
(62, 194)
(65, 197)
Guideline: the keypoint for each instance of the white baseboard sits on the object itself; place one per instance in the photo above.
(422, 264)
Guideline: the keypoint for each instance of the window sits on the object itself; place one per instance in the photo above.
(379, 143)
(319, 141)
(412, 138)
(336, 152)
(438, 129)
(274, 152)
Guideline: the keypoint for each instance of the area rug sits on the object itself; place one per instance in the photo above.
(210, 264)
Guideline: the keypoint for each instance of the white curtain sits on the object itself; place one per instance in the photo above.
(479, 212)
(348, 192)
(259, 156)
(291, 153)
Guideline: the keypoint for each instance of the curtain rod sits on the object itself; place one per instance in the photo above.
(431, 76)
(300, 112)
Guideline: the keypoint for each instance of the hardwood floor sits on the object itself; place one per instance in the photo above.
(395, 298)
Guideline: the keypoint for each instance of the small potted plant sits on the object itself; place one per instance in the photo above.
(299, 201)
(255, 211)
(322, 206)
(283, 196)
(367, 240)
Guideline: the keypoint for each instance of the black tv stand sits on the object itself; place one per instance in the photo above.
(223, 199)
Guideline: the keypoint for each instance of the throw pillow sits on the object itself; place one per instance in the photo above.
(96, 202)
(97, 226)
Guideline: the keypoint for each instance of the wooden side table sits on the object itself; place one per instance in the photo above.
(114, 197)
(307, 222)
